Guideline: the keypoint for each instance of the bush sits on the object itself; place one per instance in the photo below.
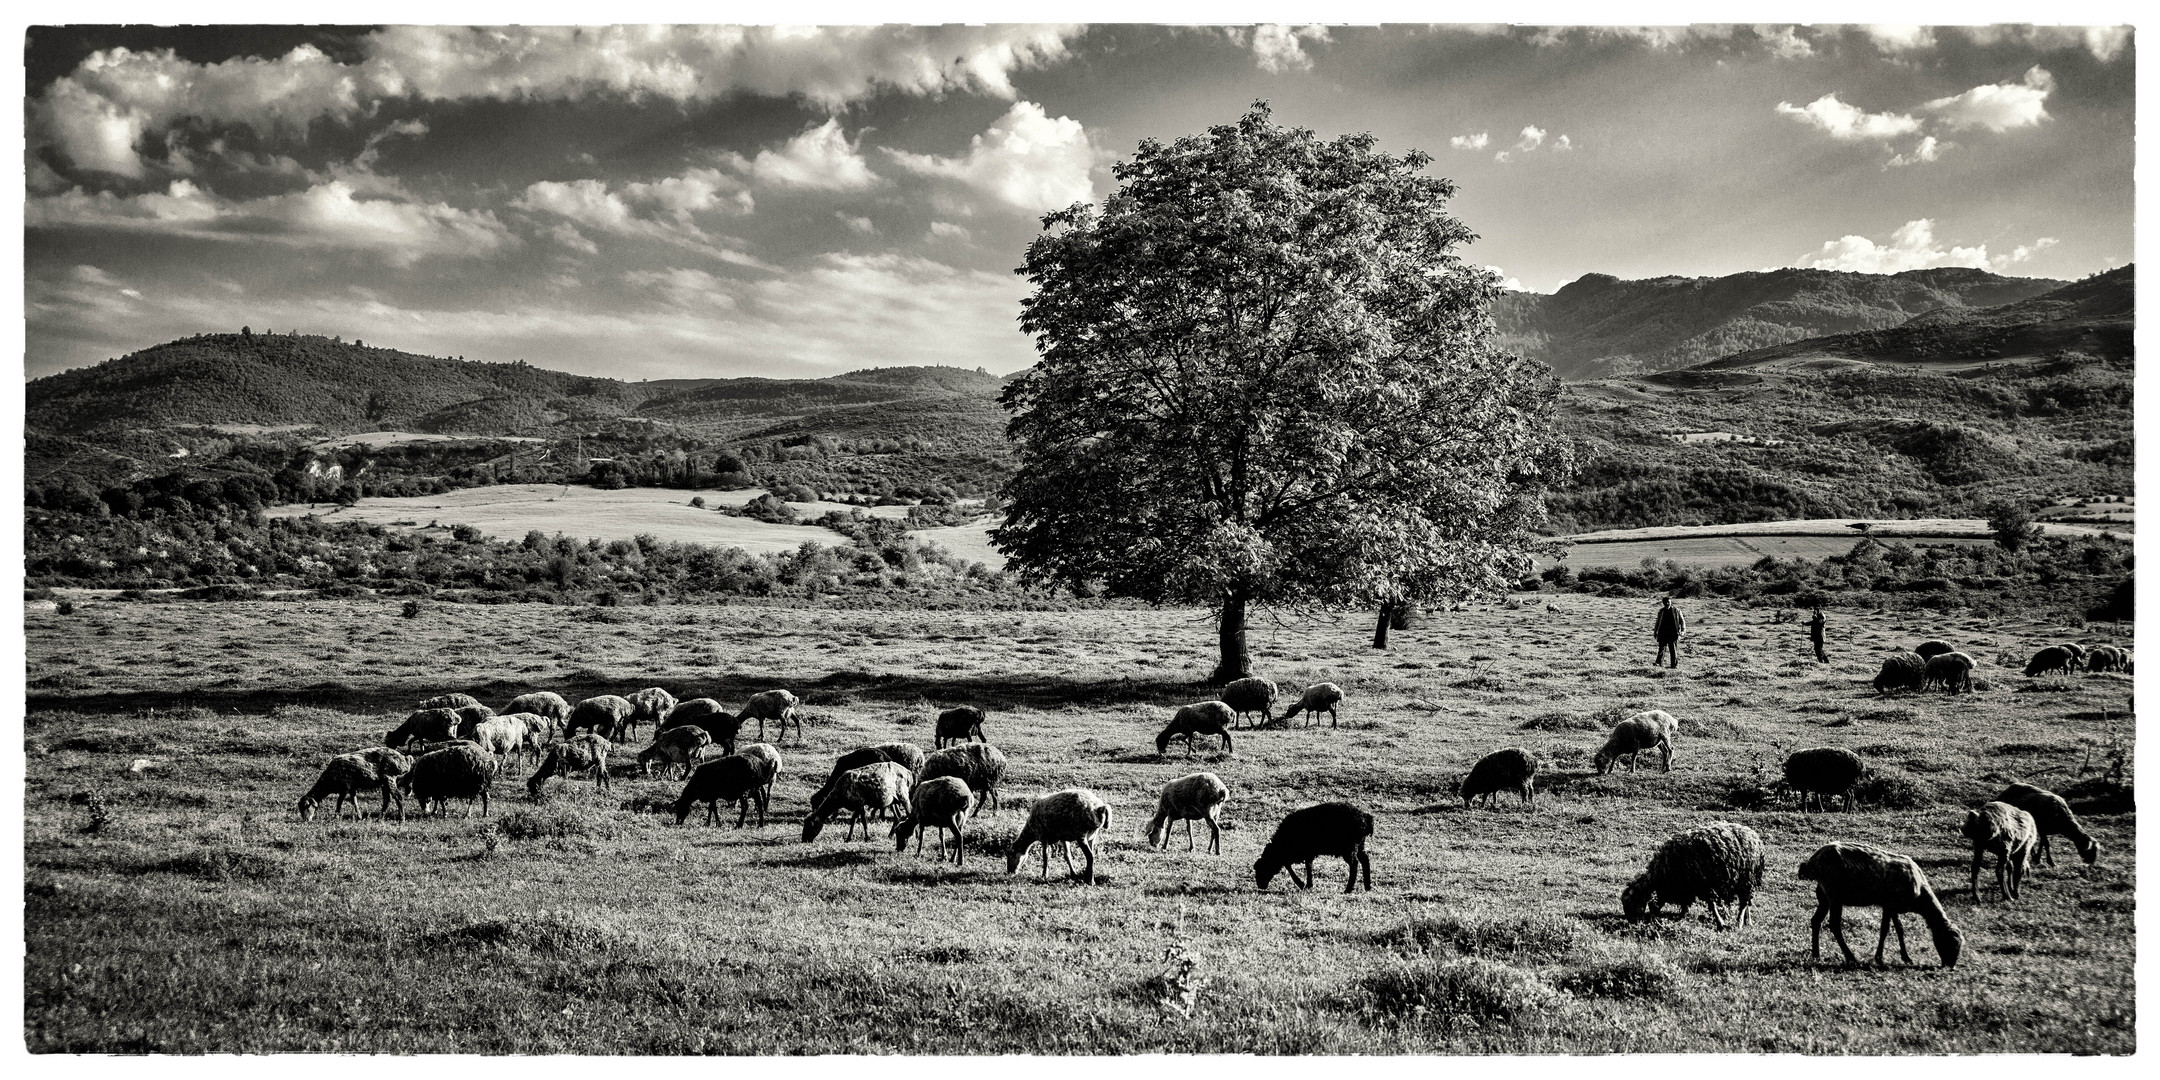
(1445, 993)
(1890, 789)
(411, 609)
(553, 822)
(465, 534)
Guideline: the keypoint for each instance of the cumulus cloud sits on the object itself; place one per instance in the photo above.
(663, 210)
(1532, 138)
(1281, 48)
(2022, 252)
(1785, 42)
(1913, 247)
(1511, 284)
(1898, 40)
(1998, 106)
(2104, 42)
(1928, 149)
(821, 159)
(1562, 145)
(326, 215)
(1026, 160)
(1503, 157)
(1470, 142)
(1848, 122)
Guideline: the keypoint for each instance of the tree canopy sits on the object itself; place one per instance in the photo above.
(1266, 378)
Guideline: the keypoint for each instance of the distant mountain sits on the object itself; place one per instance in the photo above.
(1600, 326)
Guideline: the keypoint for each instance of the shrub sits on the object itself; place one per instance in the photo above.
(1478, 991)
(411, 609)
(553, 822)
(1890, 789)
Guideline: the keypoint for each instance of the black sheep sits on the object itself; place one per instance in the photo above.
(1512, 769)
(707, 714)
(1337, 828)
(1822, 772)
(1901, 671)
(961, 724)
(732, 779)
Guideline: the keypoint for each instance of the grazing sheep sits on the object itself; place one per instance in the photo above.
(737, 778)
(1254, 695)
(603, 715)
(959, 725)
(501, 736)
(979, 765)
(1932, 648)
(1200, 796)
(684, 746)
(1853, 874)
(707, 715)
(2053, 817)
(1718, 863)
(470, 717)
(1317, 698)
(879, 787)
(2051, 659)
(865, 755)
(1822, 772)
(546, 703)
(1651, 730)
(1951, 670)
(2010, 834)
(941, 804)
(1902, 671)
(463, 771)
(1072, 816)
(579, 753)
(1337, 828)
(2107, 658)
(347, 775)
(449, 701)
(427, 726)
(539, 731)
(647, 706)
(768, 762)
(1512, 769)
(777, 705)
(1201, 718)
(906, 755)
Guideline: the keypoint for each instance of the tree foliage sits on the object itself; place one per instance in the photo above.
(1266, 377)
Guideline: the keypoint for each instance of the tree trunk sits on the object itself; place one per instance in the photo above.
(1379, 634)
(1236, 663)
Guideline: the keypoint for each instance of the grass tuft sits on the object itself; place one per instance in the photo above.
(1528, 936)
(1445, 993)
(555, 821)
(1636, 975)
(1892, 789)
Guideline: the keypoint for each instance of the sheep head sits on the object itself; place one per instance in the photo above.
(1639, 900)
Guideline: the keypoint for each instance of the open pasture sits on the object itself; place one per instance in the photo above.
(178, 905)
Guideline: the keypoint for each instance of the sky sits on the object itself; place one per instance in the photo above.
(717, 201)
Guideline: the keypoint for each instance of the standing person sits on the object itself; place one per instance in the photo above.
(1669, 626)
(1814, 634)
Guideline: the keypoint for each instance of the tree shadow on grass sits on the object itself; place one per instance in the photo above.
(828, 860)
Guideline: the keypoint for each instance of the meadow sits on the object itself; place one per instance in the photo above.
(174, 903)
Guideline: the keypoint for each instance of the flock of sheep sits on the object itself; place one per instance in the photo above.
(460, 746)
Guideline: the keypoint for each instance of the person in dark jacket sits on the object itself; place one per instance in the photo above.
(1814, 634)
(1669, 626)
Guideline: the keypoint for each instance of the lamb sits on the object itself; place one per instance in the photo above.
(539, 730)
(776, 705)
(427, 725)
(707, 715)
(883, 786)
(1651, 730)
(2053, 817)
(684, 746)
(1822, 772)
(1933, 648)
(1853, 874)
(1335, 828)
(1718, 863)
(2007, 832)
(1317, 698)
(2107, 658)
(1902, 671)
(649, 705)
(1199, 795)
(462, 771)
(1512, 769)
(603, 716)
(959, 725)
(2051, 659)
(1254, 695)
(737, 778)
(502, 736)
(1072, 816)
(941, 804)
(579, 753)
(1200, 718)
(545, 703)
(1951, 670)
(865, 755)
(347, 775)
(767, 760)
(449, 701)
(979, 765)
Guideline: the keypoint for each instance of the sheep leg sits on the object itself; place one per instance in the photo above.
(1976, 875)
(1837, 930)
(1188, 837)
(1365, 862)
(1088, 850)
(1350, 886)
(2046, 852)
(1815, 930)
(1717, 918)
(1214, 844)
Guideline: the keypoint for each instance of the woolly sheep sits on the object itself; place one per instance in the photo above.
(1200, 718)
(683, 746)
(470, 717)
(463, 771)
(1901, 671)
(1072, 816)
(347, 775)
(579, 753)
(647, 706)
(449, 701)
(539, 730)
(1651, 730)
(1822, 772)
(545, 703)
(906, 755)
(1253, 695)
(1932, 648)
(1951, 670)
(1317, 698)
(2107, 658)
(2076, 650)
(882, 786)
(705, 714)
(767, 760)
(777, 705)
(1337, 828)
(1853, 874)
(859, 757)
(2051, 659)
(1198, 796)
(1512, 769)
(959, 725)
(1718, 863)
(603, 715)
(426, 725)
(501, 736)
(2009, 834)
(2053, 817)
(940, 804)
(736, 778)
(979, 765)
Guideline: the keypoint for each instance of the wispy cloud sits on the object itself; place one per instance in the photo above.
(1850, 122)
(328, 215)
(1998, 106)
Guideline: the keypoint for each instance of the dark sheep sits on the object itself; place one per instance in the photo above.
(1853, 874)
(2052, 659)
(1952, 671)
(603, 715)
(2107, 658)
(1251, 695)
(347, 775)
(707, 715)
(682, 746)
(940, 804)
(961, 724)
(1202, 718)
(1902, 671)
(462, 771)
(2053, 817)
(733, 779)
(2009, 834)
(1823, 772)
(426, 726)
(1931, 648)
(1337, 829)
(979, 765)
(579, 753)
(1718, 863)
(1512, 769)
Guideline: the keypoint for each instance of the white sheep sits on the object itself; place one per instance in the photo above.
(882, 786)
(777, 705)
(1200, 795)
(1252, 695)
(1072, 816)
(940, 804)
(650, 705)
(768, 763)
(1853, 874)
(1651, 730)
(1317, 698)
(2010, 834)
(502, 736)
(545, 703)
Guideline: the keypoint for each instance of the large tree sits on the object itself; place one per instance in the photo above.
(1265, 378)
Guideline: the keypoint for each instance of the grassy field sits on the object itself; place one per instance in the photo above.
(509, 511)
(174, 903)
